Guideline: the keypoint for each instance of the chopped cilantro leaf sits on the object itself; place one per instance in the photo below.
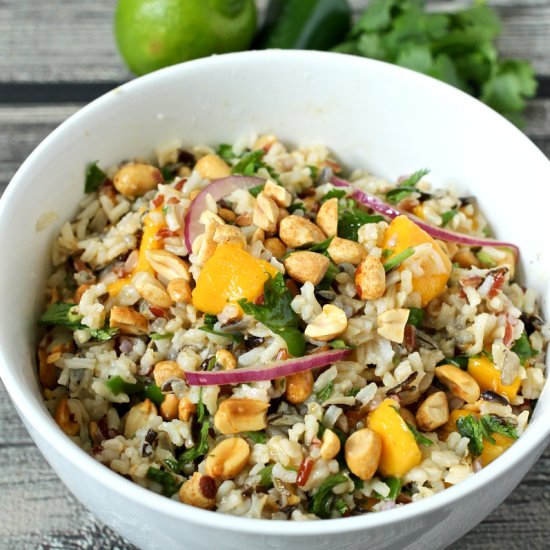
(266, 478)
(394, 484)
(323, 394)
(522, 348)
(95, 176)
(313, 172)
(158, 336)
(225, 151)
(166, 480)
(420, 438)
(338, 344)
(334, 193)
(485, 259)
(322, 500)
(235, 336)
(322, 247)
(446, 217)
(277, 315)
(496, 424)
(257, 437)
(296, 206)
(255, 191)
(351, 218)
(416, 316)
(414, 178)
(398, 259)
(396, 195)
(143, 388)
(470, 427)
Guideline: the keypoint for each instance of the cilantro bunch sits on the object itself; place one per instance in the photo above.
(457, 48)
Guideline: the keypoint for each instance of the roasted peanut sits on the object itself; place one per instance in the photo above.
(199, 491)
(370, 279)
(266, 213)
(205, 245)
(258, 235)
(168, 265)
(186, 409)
(329, 324)
(296, 231)
(275, 246)
(137, 417)
(227, 458)
(327, 217)
(128, 321)
(179, 291)
(229, 234)
(46, 371)
(169, 407)
(135, 179)
(277, 193)
(346, 251)
(304, 266)
(80, 291)
(212, 167)
(243, 220)
(65, 418)
(235, 415)
(362, 453)
(433, 412)
(264, 142)
(226, 359)
(164, 371)
(330, 446)
(391, 324)
(227, 215)
(151, 290)
(460, 383)
(299, 387)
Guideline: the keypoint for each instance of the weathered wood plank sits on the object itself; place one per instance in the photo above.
(70, 40)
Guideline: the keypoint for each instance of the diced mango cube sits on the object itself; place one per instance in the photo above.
(229, 275)
(400, 452)
(487, 376)
(151, 227)
(403, 233)
(492, 451)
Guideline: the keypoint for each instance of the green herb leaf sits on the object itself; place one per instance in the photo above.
(62, 314)
(414, 178)
(328, 278)
(353, 392)
(338, 344)
(397, 194)
(143, 388)
(420, 438)
(398, 259)
(485, 259)
(250, 163)
(341, 506)
(322, 247)
(313, 172)
(334, 193)
(296, 206)
(446, 217)
(386, 253)
(158, 336)
(460, 361)
(167, 481)
(266, 478)
(496, 424)
(350, 219)
(322, 500)
(276, 314)
(522, 348)
(255, 191)
(95, 176)
(235, 336)
(199, 449)
(225, 151)
(323, 394)
(394, 484)
(470, 427)
(416, 316)
(257, 437)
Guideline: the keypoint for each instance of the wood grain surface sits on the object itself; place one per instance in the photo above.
(54, 57)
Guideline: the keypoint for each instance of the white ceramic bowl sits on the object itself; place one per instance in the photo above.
(373, 115)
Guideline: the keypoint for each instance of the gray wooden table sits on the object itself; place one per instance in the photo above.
(56, 56)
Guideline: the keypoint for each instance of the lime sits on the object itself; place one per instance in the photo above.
(156, 33)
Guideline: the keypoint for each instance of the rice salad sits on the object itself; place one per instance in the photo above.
(243, 330)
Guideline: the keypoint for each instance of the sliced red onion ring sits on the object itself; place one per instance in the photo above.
(218, 189)
(260, 372)
(391, 212)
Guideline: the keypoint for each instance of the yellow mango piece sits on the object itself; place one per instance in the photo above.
(488, 377)
(400, 452)
(450, 425)
(148, 242)
(492, 451)
(403, 233)
(418, 211)
(229, 275)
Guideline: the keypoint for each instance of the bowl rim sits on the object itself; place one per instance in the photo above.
(33, 410)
